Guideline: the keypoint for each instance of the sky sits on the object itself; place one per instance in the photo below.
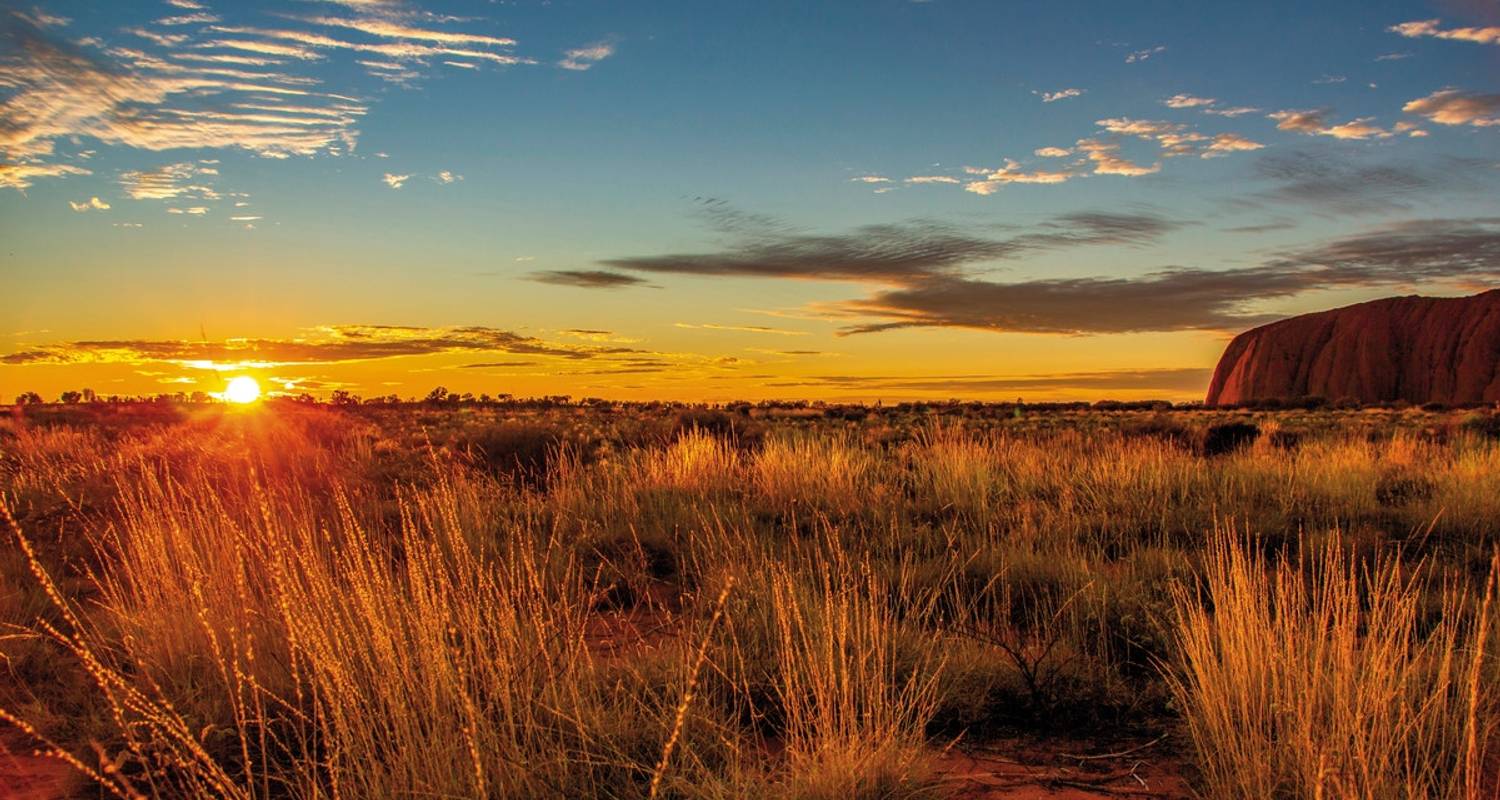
(851, 201)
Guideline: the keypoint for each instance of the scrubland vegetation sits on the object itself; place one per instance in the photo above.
(412, 601)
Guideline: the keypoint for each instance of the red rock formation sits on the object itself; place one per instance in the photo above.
(1417, 349)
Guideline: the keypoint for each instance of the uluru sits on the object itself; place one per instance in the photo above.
(1413, 349)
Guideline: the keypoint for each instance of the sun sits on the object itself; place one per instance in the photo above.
(242, 389)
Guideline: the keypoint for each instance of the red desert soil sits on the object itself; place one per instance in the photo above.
(1062, 770)
(24, 775)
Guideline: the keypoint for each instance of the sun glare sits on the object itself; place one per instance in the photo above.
(242, 389)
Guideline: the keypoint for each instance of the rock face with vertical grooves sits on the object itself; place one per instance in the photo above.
(1417, 349)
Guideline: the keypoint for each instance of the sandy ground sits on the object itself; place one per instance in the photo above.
(26, 775)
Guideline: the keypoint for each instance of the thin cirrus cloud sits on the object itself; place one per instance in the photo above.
(765, 329)
(1136, 56)
(1164, 379)
(1207, 105)
(328, 345)
(586, 278)
(192, 81)
(584, 58)
(171, 182)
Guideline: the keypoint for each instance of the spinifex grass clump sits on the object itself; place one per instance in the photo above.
(1319, 677)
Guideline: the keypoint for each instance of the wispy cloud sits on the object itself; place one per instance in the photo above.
(326, 345)
(394, 180)
(1314, 122)
(1060, 94)
(1327, 184)
(992, 179)
(928, 275)
(1143, 55)
(587, 278)
(1177, 379)
(583, 58)
(892, 254)
(1188, 101)
(199, 83)
(172, 181)
(1431, 28)
(91, 204)
(709, 326)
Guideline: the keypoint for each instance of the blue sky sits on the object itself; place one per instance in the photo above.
(852, 200)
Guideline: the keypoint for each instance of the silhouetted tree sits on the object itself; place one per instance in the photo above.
(70, 397)
(28, 399)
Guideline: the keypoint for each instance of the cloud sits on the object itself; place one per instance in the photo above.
(327, 345)
(1429, 28)
(1393, 56)
(1231, 111)
(993, 179)
(1060, 94)
(709, 326)
(585, 57)
(1188, 101)
(1052, 152)
(198, 84)
(888, 254)
(926, 274)
(307, 45)
(91, 204)
(587, 278)
(446, 177)
(932, 179)
(171, 181)
(1182, 379)
(389, 29)
(1189, 299)
(497, 364)
(1107, 159)
(395, 181)
(870, 179)
(1230, 143)
(1142, 55)
(122, 96)
(1328, 184)
(1327, 80)
(1454, 107)
(1174, 138)
(1315, 122)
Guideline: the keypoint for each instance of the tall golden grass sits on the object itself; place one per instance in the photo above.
(347, 607)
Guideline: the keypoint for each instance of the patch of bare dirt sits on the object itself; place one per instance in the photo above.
(1065, 770)
(27, 775)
